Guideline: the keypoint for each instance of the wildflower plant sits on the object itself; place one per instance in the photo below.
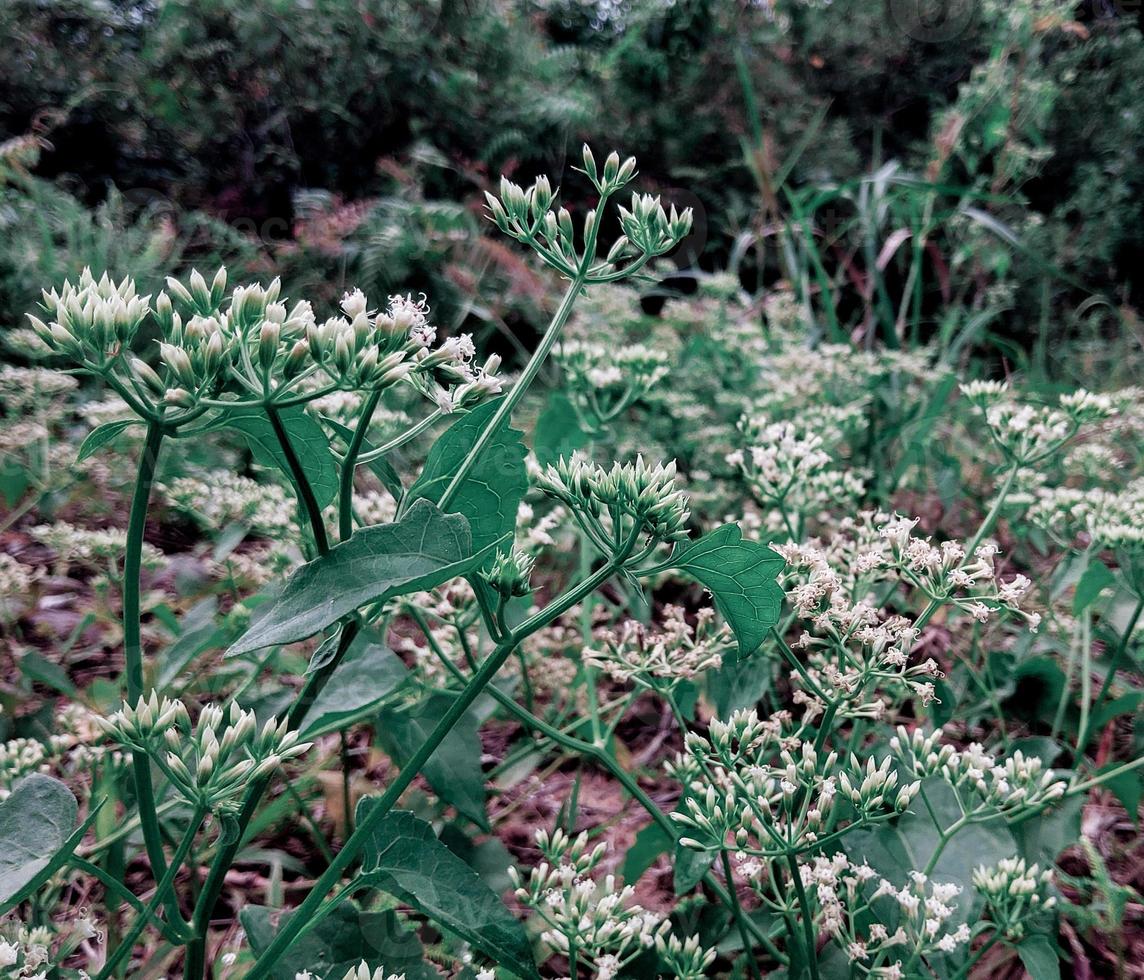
(728, 552)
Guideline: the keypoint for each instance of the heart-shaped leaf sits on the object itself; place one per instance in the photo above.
(404, 857)
(422, 550)
(741, 576)
(307, 440)
(37, 833)
(490, 494)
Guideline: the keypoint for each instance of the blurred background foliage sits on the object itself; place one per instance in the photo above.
(972, 173)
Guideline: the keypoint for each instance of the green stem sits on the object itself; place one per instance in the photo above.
(994, 513)
(349, 466)
(301, 481)
(133, 651)
(739, 917)
(808, 930)
(115, 887)
(311, 911)
(520, 386)
(165, 886)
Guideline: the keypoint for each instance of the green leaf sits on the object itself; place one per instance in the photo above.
(454, 770)
(738, 684)
(380, 467)
(1042, 837)
(557, 431)
(649, 844)
(422, 550)
(690, 867)
(368, 674)
(491, 493)
(892, 850)
(340, 942)
(1040, 958)
(1096, 578)
(405, 859)
(741, 576)
(36, 835)
(307, 439)
(100, 436)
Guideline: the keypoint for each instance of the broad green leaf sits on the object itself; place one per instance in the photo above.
(738, 684)
(491, 493)
(368, 674)
(557, 431)
(911, 841)
(454, 770)
(37, 824)
(405, 859)
(649, 844)
(422, 550)
(1096, 578)
(1042, 838)
(689, 867)
(307, 440)
(741, 576)
(1040, 958)
(101, 435)
(338, 943)
(380, 467)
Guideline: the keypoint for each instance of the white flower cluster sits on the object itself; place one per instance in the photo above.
(222, 497)
(90, 547)
(1026, 433)
(602, 381)
(790, 471)
(591, 921)
(363, 972)
(754, 782)
(838, 589)
(630, 499)
(984, 784)
(38, 391)
(660, 659)
(211, 763)
(16, 580)
(1108, 518)
(1014, 893)
(918, 914)
(74, 747)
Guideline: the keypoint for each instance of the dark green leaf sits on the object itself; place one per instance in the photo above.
(649, 844)
(37, 667)
(454, 770)
(912, 840)
(368, 674)
(307, 439)
(741, 576)
(100, 436)
(404, 858)
(690, 867)
(738, 684)
(1096, 578)
(36, 835)
(340, 942)
(422, 550)
(1040, 958)
(491, 493)
(557, 431)
(1041, 838)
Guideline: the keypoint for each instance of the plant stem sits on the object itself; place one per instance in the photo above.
(311, 911)
(301, 481)
(133, 652)
(808, 930)
(349, 466)
(165, 886)
(737, 914)
(520, 386)
(994, 512)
